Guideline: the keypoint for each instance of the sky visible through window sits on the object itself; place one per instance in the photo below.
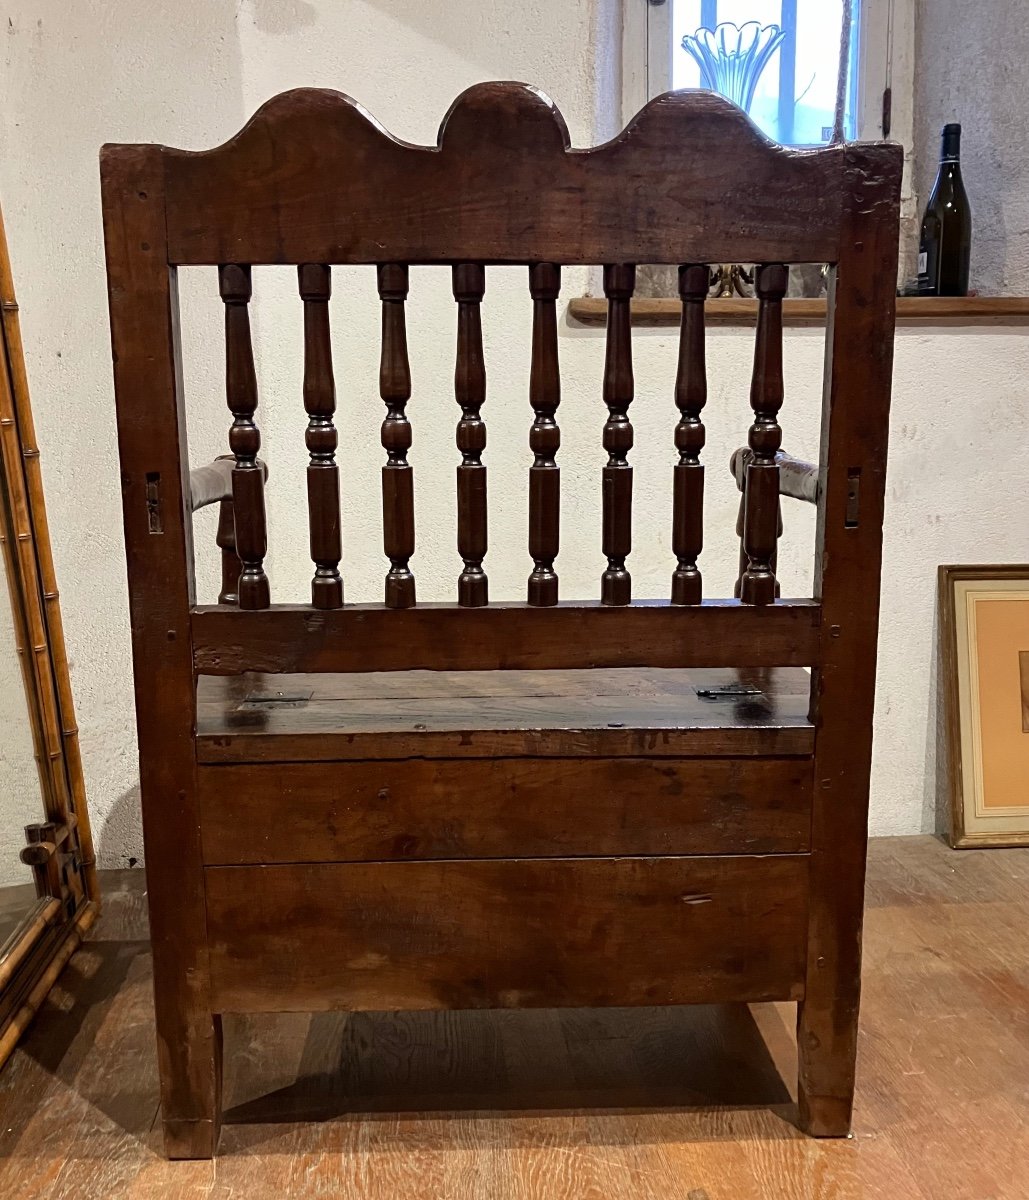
(796, 93)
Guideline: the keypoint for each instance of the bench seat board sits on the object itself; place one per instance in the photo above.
(486, 714)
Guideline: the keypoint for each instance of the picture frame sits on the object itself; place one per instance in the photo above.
(984, 642)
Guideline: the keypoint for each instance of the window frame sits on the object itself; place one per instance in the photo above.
(883, 30)
(886, 56)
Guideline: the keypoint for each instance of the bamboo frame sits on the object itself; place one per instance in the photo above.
(39, 630)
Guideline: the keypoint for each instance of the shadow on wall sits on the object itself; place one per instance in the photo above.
(284, 16)
(76, 76)
(119, 833)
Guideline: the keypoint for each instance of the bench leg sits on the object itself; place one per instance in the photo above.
(826, 1054)
(191, 1088)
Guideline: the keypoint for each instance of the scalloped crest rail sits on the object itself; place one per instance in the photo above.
(313, 181)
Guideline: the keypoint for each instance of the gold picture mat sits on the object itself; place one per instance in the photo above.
(985, 632)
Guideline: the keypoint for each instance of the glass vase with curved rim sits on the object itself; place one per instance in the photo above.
(732, 57)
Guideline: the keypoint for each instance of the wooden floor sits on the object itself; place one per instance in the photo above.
(658, 1104)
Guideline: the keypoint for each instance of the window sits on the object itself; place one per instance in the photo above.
(778, 59)
(786, 55)
(794, 97)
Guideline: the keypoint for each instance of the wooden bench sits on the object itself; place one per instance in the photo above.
(410, 805)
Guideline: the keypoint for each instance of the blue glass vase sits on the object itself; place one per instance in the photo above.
(731, 58)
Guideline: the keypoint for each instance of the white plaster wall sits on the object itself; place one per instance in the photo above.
(970, 67)
(188, 75)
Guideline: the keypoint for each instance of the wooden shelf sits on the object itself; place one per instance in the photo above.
(911, 310)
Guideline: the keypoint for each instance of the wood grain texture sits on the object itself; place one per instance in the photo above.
(544, 436)
(690, 398)
(616, 583)
(654, 194)
(397, 474)
(482, 933)
(911, 310)
(321, 439)
(152, 444)
(855, 430)
(352, 812)
(503, 714)
(470, 391)
(504, 636)
(244, 437)
(313, 181)
(761, 514)
(628, 1104)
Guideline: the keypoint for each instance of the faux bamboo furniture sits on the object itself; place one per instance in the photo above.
(59, 846)
(409, 805)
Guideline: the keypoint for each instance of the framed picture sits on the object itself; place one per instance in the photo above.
(984, 626)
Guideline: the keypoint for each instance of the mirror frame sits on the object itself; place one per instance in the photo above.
(59, 848)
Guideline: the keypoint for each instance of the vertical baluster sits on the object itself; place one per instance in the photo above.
(544, 436)
(244, 437)
(761, 515)
(397, 475)
(744, 560)
(470, 390)
(690, 398)
(320, 402)
(616, 583)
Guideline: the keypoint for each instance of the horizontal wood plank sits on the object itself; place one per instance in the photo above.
(281, 743)
(507, 933)
(798, 310)
(292, 638)
(370, 811)
(503, 185)
(460, 714)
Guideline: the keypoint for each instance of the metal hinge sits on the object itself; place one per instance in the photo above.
(728, 691)
(280, 699)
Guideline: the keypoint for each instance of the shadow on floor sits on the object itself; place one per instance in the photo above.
(92, 1051)
(516, 1062)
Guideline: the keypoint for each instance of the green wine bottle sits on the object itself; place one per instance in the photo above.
(945, 244)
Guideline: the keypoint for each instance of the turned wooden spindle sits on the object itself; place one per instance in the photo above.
(244, 437)
(321, 439)
(690, 398)
(740, 526)
(397, 475)
(761, 507)
(616, 583)
(544, 436)
(470, 390)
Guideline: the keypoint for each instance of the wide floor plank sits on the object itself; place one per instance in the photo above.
(669, 1104)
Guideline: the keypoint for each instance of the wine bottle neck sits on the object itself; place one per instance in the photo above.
(950, 149)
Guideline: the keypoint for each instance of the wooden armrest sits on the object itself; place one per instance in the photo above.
(797, 478)
(208, 485)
